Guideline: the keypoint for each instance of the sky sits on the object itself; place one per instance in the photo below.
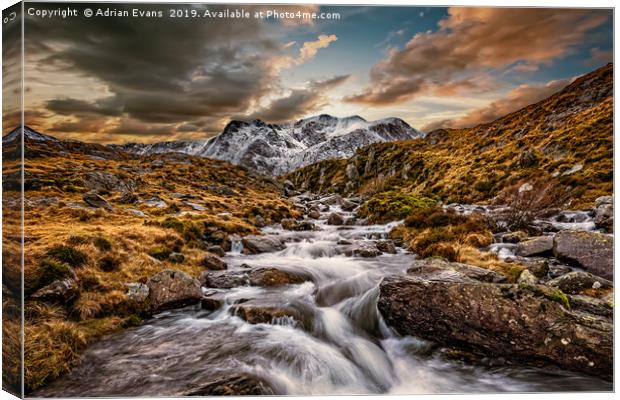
(125, 79)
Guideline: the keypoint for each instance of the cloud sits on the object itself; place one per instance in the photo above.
(600, 57)
(517, 98)
(309, 49)
(298, 102)
(474, 41)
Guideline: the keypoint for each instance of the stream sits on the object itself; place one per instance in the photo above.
(338, 345)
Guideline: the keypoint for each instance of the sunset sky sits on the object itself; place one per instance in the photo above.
(116, 80)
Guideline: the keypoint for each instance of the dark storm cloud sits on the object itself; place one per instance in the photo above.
(163, 70)
(298, 102)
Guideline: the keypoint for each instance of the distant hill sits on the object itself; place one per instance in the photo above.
(567, 138)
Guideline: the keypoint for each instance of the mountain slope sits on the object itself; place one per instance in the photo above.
(277, 149)
(566, 138)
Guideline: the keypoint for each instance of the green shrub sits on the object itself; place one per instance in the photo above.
(391, 205)
(68, 255)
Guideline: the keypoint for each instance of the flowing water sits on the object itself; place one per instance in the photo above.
(338, 345)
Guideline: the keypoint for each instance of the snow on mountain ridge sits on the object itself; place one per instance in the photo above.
(281, 148)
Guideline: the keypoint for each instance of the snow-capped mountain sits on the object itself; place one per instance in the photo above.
(278, 149)
(28, 134)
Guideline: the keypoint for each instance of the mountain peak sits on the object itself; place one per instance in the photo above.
(29, 133)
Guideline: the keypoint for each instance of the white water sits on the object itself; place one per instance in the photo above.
(340, 345)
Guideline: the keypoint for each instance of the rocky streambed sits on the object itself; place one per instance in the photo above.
(330, 305)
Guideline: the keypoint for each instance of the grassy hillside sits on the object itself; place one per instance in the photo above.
(108, 249)
(566, 139)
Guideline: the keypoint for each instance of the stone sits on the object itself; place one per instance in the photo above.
(498, 320)
(224, 279)
(526, 278)
(591, 305)
(535, 246)
(604, 213)
(257, 313)
(434, 268)
(137, 292)
(363, 249)
(513, 237)
(348, 205)
(576, 281)
(100, 180)
(386, 246)
(314, 214)
(128, 198)
(217, 250)
(269, 277)
(211, 303)
(60, 291)
(335, 219)
(213, 263)
(176, 258)
(591, 251)
(261, 244)
(136, 213)
(171, 288)
(94, 200)
(351, 172)
(294, 225)
(259, 221)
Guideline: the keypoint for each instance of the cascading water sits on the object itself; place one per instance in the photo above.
(337, 344)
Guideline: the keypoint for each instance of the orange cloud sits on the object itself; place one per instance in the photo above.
(517, 98)
(472, 41)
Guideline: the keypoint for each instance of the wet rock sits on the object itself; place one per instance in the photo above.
(224, 279)
(386, 246)
(540, 245)
(348, 205)
(217, 250)
(590, 250)
(334, 200)
(498, 320)
(314, 214)
(269, 277)
(350, 221)
(262, 244)
(94, 200)
(176, 258)
(362, 249)
(233, 385)
(345, 242)
(137, 292)
(260, 221)
(213, 263)
(604, 213)
(210, 303)
(556, 270)
(60, 291)
(171, 288)
(256, 313)
(434, 268)
(576, 281)
(335, 219)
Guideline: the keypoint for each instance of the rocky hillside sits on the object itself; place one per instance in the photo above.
(277, 149)
(566, 139)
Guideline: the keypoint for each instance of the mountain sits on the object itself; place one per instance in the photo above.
(566, 138)
(29, 134)
(278, 149)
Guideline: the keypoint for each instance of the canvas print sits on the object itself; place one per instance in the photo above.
(211, 199)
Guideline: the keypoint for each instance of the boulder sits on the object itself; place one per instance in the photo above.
(233, 384)
(211, 303)
(539, 245)
(217, 250)
(94, 200)
(576, 281)
(335, 219)
(224, 279)
(213, 263)
(348, 205)
(526, 278)
(386, 246)
(604, 213)
(268, 277)
(591, 251)
(260, 221)
(100, 180)
(363, 249)
(171, 288)
(591, 305)
(294, 225)
(60, 291)
(314, 214)
(498, 320)
(513, 237)
(257, 313)
(137, 292)
(261, 244)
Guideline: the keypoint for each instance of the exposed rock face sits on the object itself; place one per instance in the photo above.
(261, 244)
(277, 149)
(94, 200)
(235, 385)
(590, 250)
(535, 246)
(170, 289)
(497, 320)
(60, 291)
(433, 268)
(100, 180)
(137, 292)
(576, 281)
